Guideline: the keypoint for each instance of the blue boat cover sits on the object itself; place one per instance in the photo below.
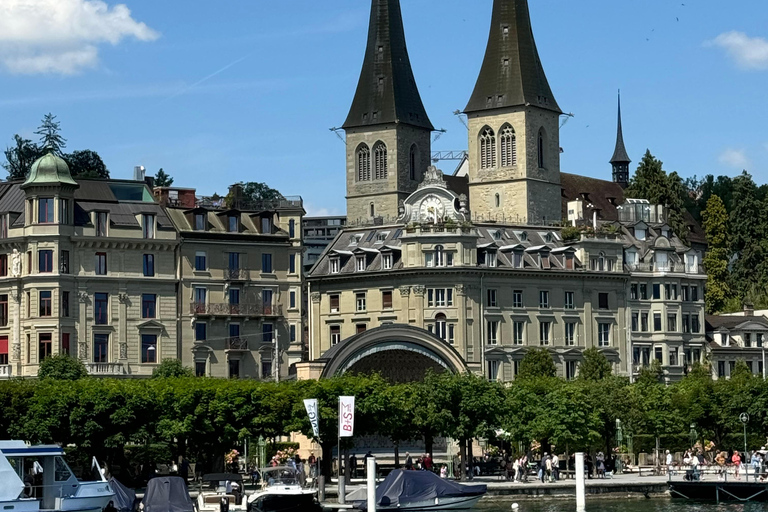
(402, 487)
(124, 499)
(167, 494)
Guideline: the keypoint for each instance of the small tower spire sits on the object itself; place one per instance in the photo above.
(387, 92)
(620, 160)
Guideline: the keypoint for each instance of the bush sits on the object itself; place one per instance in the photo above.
(62, 367)
(171, 368)
(570, 234)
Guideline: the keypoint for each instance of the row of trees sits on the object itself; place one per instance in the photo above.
(203, 418)
(733, 212)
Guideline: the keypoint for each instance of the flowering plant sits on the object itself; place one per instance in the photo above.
(283, 456)
(231, 456)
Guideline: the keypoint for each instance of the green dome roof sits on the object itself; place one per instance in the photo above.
(49, 169)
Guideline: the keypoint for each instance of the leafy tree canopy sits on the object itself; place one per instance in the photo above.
(171, 368)
(61, 367)
(594, 366)
(86, 164)
(537, 363)
(245, 194)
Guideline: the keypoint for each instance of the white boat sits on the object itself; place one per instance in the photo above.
(218, 487)
(37, 478)
(282, 491)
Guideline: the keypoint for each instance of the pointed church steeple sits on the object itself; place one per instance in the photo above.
(620, 160)
(387, 92)
(511, 74)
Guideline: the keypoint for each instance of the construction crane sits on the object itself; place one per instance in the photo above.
(448, 155)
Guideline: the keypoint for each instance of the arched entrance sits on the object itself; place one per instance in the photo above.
(400, 353)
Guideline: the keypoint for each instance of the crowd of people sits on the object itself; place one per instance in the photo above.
(695, 464)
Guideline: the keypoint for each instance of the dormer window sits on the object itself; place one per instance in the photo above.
(386, 261)
(101, 222)
(45, 210)
(517, 259)
(496, 235)
(360, 264)
(266, 225)
(490, 258)
(548, 238)
(523, 236)
(725, 340)
(200, 222)
(640, 233)
(665, 232)
(335, 265)
(233, 224)
(148, 225)
(355, 239)
(569, 262)
(544, 257)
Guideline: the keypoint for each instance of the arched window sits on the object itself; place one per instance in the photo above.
(363, 163)
(380, 161)
(441, 330)
(541, 149)
(498, 200)
(508, 147)
(373, 210)
(413, 162)
(487, 148)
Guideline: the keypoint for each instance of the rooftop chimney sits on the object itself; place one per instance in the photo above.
(138, 173)
(749, 309)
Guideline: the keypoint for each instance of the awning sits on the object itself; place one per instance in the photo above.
(4, 345)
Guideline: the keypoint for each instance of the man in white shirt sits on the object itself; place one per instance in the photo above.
(670, 469)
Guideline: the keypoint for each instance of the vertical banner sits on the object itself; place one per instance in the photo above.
(314, 416)
(346, 416)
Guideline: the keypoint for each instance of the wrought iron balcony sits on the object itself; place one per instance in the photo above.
(237, 343)
(679, 268)
(6, 371)
(242, 309)
(236, 274)
(105, 368)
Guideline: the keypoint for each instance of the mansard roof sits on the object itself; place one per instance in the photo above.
(387, 91)
(511, 74)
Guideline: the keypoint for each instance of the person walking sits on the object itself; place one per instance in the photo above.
(548, 468)
(542, 467)
(670, 467)
(736, 460)
(408, 461)
(555, 467)
(353, 465)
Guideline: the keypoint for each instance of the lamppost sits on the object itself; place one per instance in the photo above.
(619, 439)
(694, 435)
(744, 418)
(262, 452)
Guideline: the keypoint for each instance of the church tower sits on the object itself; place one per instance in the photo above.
(388, 131)
(620, 160)
(514, 131)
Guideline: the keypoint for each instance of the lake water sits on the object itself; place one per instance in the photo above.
(630, 505)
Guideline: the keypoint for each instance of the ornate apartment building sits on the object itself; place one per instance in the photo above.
(99, 270)
(475, 269)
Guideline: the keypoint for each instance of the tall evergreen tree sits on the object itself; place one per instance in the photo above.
(716, 259)
(162, 179)
(745, 230)
(50, 138)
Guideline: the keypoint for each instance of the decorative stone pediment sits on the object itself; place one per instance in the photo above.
(432, 202)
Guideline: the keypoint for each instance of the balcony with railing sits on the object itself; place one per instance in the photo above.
(242, 309)
(236, 274)
(105, 369)
(673, 268)
(237, 343)
(6, 371)
(245, 204)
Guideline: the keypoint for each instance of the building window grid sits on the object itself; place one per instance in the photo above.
(570, 334)
(46, 303)
(518, 334)
(604, 334)
(380, 161)
(545, 332)
(149, 265)
(360, 302)
(517, 299)
(45, 261)
(493, 332)
(101, 263)
(543, 299)
(363, 163)
(569, 300)
(487, 149)
(508, 147)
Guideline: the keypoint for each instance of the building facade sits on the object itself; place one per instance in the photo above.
(482, 261)
(101, 271)
(734, 338)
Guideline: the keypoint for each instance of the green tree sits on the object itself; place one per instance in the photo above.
(537, 363)
(162, 179)
(250, 194)
(61, 367)
(20, 157)
(50, 136)
(171, 368)
(594, 366)
(745, 236)
(86, 164)
(716, 259)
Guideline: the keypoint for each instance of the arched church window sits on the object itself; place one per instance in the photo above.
(413, 162)
(487, 148)
(363, 163)
(373, 210)
(498, 200)
(508, 147)
(380, 161)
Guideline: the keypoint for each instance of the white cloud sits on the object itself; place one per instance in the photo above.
(62, 36)
(748, 52)
(734, 158)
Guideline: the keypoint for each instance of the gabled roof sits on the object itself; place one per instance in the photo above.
(387, 92)
(511, 74)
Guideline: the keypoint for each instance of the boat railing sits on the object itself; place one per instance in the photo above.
(724, 473)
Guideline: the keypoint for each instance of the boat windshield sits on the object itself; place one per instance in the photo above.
(280, 476)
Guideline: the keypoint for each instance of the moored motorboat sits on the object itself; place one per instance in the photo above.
(47, 481)
(282, 491)
(218, 487)
(167, 494)
(420, 491)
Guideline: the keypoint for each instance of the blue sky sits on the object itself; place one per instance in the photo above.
(218, 92)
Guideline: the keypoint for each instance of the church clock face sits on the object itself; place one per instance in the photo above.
(432, 209)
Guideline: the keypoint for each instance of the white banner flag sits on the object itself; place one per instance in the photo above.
(346, 416)
(310, 405)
